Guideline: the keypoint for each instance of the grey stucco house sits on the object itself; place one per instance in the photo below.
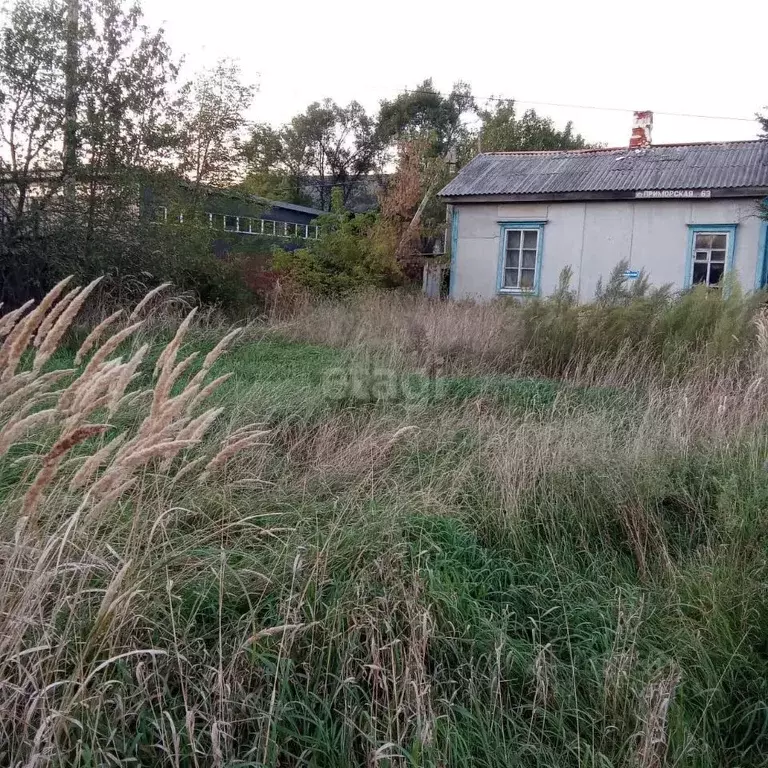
(685, 213)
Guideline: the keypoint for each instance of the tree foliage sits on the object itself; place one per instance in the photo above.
(32, 54)
(327, 146)
(213, 124)
(426, 113)
(503, 130)
(129, 126)
(126, 75)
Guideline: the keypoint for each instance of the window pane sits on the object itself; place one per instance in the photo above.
(526, 278)
(701, 256)
(529, 259)
(715, 273)
(230, 222)
(719, 241)
(510, 278)
(530, 238)
(703, 240)
(513, 259)
(699, 273)
(513, 238)
(717, 256)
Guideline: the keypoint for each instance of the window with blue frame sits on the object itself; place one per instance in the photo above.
(520, 258)
(711, 248)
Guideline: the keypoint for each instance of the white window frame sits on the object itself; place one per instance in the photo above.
(695, 230)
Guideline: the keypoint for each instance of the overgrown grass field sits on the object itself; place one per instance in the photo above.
(409, 534)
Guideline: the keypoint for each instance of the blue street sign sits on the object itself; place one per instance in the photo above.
(631, 274)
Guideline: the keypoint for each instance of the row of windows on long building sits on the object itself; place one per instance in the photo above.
(248, 225)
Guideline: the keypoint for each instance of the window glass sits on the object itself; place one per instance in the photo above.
(710, 250)
(520, 257)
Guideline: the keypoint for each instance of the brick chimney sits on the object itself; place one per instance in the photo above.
(642, 125)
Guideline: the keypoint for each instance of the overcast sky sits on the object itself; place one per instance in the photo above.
(703, 58)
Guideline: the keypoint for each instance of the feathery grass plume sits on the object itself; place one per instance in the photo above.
(657, 696)
(110, 498)
(8, 320)
(212, 357)
(164, 409)
(230, 449)
(51, 463)
(132, 399)
(109, 599)
(189, 468)
(131, 457)
(13, 385)
(95, 384)
(171, 350)
(92, 463)
(120, 470)
(93, 337)
(129, 371)
(195, 430)
(60, 327)
(207, 391)
(15, 429)
(168, 448)
(19, 340)
(254, 425)
(143, 303)
(94, 364)
(53, 316)
(220, 348)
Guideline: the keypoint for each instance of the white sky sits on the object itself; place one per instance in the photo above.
(691, 56)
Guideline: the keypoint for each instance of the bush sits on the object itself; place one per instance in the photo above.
(109, 237)
(352, 252)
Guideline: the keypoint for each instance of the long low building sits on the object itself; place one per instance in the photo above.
(681, 213)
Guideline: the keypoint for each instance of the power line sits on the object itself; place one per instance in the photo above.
(590, 106)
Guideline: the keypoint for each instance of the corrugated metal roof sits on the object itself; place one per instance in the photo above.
(290, 206)
(726, 165)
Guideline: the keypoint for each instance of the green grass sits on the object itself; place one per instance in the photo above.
(450, 612)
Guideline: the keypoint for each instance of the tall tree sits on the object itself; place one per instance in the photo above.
(427, 127)
(278, 162)
(214, 107)
(32, 55)
(88, 97)
(71, 66)
(426, 113)
(503, 130)
(328, 147)
(126, 76)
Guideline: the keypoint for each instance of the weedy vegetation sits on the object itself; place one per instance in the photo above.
(386, 532)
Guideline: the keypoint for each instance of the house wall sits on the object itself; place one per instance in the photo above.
(592, 237)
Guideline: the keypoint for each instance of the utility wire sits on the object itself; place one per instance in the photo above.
(589, 106)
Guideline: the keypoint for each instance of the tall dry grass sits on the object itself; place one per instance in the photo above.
(658, 335)
(93, 466)
(503, 573)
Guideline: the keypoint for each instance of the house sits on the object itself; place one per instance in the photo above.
(683, 213)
